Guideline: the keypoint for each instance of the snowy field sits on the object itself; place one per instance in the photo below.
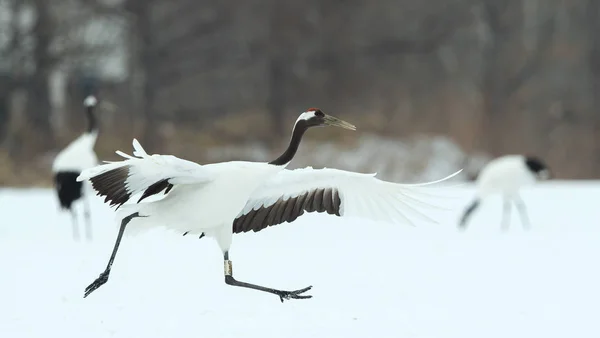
(369, 279)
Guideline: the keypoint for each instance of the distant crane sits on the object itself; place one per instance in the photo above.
(206, 199)
(505, 176)
(69, 164)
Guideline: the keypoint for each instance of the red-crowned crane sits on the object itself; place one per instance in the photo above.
(70, 162)
(209, 198)
(506, 176)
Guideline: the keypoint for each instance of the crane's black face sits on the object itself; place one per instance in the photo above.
(538, 168)
(314, 117)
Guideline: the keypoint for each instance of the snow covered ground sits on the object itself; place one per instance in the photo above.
(369, 279)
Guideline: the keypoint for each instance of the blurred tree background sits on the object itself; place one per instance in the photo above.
(198, 78)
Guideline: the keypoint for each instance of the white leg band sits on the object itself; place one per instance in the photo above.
(228, 268)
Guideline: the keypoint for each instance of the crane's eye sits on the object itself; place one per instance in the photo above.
(319, 113)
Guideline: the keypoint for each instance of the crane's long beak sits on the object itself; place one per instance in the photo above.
(335, 122)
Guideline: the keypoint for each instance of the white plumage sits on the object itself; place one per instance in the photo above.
(209, 199)
(506, 176)
(78, 155)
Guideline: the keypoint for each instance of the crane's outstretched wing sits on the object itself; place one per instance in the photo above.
(342, 193)
(147, 174)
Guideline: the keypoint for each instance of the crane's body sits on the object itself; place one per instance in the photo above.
(78, 155)
(225, 198)
(506, 176)
(68, 165)
(207, 206)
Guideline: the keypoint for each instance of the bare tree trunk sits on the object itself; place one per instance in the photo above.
(7, 52)
(5, 92)
(146, 64)
(593, 11)
(276, 101)
(277, 71)
(38, 107)
(493, 101)
(500, 81)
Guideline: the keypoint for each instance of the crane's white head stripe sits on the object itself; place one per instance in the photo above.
(90, 101)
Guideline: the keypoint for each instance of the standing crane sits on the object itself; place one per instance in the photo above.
(68, 165)
(506, 176)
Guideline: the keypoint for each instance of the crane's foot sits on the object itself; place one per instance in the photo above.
(101, 280)
(297, 294)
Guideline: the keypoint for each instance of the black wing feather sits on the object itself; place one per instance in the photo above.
(319, 200)
(156, 188)
(111, 184)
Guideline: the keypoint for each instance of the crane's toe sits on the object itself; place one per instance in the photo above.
(101, 280)
(296, 294)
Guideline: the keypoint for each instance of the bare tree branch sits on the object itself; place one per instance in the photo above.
(102, 9)
(194, 32)
(16, 35)
(492, 12)
(533, 62)
(436, 29)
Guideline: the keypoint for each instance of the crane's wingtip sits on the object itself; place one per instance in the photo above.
(433, 182)
(138, 149)
(448, 177)
(122, 154)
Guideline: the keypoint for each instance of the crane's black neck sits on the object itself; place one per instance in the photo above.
(92, 123)
(287, 156)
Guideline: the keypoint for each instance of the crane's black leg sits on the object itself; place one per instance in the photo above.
(103, 278)
(297, 294)
(88, 218)
(522, 209)
(506, 210)
(467, 214)
(74, 224)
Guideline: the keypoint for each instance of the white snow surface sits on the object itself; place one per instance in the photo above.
(369, 279)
